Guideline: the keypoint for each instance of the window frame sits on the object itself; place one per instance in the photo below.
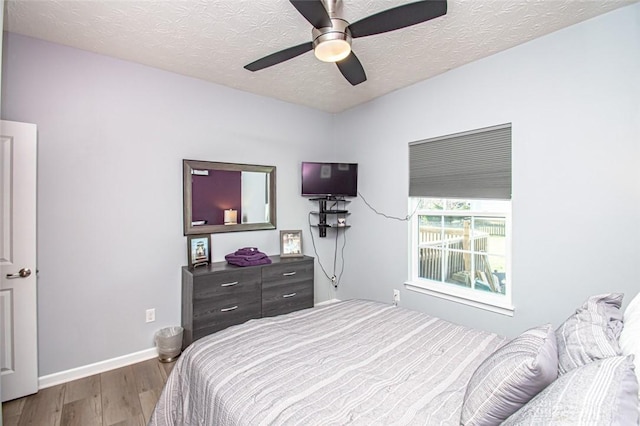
(497, 303)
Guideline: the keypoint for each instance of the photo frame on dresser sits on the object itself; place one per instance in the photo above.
(291, 243)
(198, 250)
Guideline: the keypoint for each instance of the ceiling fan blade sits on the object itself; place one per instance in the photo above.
(398, 17)
(281, 56)
(352, 70)
(314, 12)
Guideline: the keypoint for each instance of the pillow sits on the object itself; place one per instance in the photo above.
(591, 333)
(510, 377)
(603, 392)
(632, 313)
(630, 336)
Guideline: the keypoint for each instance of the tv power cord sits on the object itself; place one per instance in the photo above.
(335, 279)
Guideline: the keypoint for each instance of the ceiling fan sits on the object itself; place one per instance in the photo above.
(332, 34)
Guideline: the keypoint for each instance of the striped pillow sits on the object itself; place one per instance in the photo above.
(603, 392)
(510, 377)
(591, 333)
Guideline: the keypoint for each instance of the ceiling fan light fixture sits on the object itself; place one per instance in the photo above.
(332, 44)
(332, 50)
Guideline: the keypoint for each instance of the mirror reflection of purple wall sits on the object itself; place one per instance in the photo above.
(215, 191)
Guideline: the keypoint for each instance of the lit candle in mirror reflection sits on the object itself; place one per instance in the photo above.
(230, 217)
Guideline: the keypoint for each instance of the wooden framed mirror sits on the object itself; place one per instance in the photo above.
(228, 197)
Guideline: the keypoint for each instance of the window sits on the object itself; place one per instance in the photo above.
(460, 190)
(460, 250)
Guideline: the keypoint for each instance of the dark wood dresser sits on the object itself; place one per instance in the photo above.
(221, 295)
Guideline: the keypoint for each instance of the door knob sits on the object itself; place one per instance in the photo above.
(22, 273)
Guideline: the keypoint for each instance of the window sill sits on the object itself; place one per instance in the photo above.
(503, 309)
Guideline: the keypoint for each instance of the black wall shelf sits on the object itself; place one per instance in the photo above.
(331, 208)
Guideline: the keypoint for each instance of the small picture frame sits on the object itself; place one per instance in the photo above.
(291, 243)
(199, 250)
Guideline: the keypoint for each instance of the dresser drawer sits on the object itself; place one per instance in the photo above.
(287, 272)
(287, 287)
(226, 283)
(285, 298)
(217, 314)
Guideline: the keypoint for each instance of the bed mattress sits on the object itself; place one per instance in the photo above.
(351, 362)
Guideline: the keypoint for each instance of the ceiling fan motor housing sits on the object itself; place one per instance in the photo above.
(337, 34)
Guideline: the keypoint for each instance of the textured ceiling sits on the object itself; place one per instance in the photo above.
(213, 39)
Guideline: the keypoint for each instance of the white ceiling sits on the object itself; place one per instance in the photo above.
(213, 39)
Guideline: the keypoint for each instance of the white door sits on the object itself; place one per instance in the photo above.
(18, 309)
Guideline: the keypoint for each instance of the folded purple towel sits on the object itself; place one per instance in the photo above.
(246, 251)
(244, 262)
(247, 256)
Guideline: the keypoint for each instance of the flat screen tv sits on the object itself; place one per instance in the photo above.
(329, 179)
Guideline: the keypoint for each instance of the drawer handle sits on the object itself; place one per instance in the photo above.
(233, 308)
(229, 284)
(288, 295)
(288, 274)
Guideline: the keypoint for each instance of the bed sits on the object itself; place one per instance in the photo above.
(351, 362)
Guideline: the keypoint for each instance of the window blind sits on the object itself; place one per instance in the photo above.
(469, 165)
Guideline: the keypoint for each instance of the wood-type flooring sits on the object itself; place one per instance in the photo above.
(125, 396)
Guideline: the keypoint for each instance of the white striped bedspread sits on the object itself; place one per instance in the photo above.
(353, 362)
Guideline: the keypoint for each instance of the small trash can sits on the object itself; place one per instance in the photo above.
(169, 343)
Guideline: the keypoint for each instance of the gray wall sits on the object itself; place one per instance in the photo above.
(574, 100)
(112, 136)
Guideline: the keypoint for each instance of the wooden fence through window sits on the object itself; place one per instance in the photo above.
(455, 244)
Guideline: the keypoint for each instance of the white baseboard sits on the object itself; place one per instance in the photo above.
(327, 302)
(99, 367)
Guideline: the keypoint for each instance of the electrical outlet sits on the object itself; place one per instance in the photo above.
(396, 297)
(151, 315)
